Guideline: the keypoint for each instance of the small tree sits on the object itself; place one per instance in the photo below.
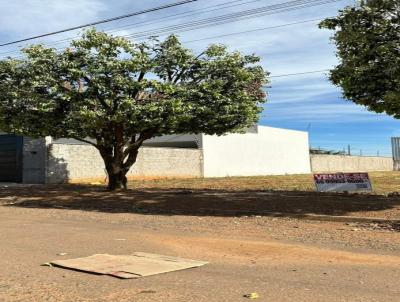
(115, 94)
(368, 45)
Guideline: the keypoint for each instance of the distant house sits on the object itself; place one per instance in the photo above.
(260, 151)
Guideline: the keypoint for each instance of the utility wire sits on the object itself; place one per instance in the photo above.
(203, 10)
(224, 6)
(271, 9)
(254, 30)
(102, 21)
(233, 17)
(211, 21)
(227, 18)
(298, 73)
(194, 12)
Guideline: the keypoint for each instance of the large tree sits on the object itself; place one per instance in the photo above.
(367, 37)
(114, 94)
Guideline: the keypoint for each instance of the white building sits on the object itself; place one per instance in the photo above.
(261, 151)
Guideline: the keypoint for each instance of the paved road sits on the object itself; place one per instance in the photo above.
(254, 255)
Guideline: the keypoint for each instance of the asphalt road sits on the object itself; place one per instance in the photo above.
(280, 259)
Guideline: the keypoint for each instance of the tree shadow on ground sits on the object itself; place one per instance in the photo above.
(201, 202)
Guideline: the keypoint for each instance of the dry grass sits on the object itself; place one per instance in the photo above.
(232, 196)
(383, 183)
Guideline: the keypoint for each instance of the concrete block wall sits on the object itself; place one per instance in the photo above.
(69, 162)
(34, 160)
(168, 162)
(77, 162)
(345, 163)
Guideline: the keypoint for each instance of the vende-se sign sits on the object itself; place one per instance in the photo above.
(340, 182)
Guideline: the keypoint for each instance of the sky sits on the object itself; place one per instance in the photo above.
(307, 102)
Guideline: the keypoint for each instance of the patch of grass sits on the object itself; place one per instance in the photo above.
(383, 183)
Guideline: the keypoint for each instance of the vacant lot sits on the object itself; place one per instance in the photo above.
(229, 222)
(237, 196)
(383, 183)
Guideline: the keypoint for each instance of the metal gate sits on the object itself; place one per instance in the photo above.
(396, 153)
(11, 158)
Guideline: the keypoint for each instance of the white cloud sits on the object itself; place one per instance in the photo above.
(323, 111)
(302, 88)
(23, 18)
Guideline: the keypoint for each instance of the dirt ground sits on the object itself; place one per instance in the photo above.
(249, 250)
(200, 198)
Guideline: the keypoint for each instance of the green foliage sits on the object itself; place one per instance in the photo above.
(119, 93)
(368, 45)
(103, 81)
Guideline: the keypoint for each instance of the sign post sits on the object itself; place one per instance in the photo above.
(341, 182)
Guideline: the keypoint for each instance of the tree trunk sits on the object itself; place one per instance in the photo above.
(119, 158)
(116, 172)
(117, 168)
(117, 181)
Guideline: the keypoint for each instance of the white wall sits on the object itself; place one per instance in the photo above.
(271, 151)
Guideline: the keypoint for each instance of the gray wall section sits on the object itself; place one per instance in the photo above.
(34, 160)
(168, 162)
(345, 163)
(176, 141)
(75, 163)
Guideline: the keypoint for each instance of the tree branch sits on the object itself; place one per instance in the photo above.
(66, 86)
(98, 97)
(86, 141)
(137, 143)
(133, 150)
(141, 76)
(169, 74)
(179, 75)
(131, 159)
(119, 142)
